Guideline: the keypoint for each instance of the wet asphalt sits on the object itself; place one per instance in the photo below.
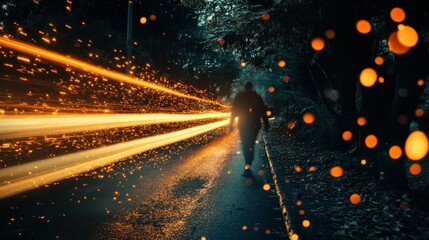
(200, 194)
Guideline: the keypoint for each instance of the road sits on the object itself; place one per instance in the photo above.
(197, 195)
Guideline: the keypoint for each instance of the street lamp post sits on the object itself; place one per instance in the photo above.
(129, 35)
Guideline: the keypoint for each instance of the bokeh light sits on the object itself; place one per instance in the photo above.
(416, 145)
(347, 135)
(355, 198)
(361, 121)
(379, 60)
(419, 112)
(395, 46)
(143, 20)
(415, 169)
(266, 187)
(330, 34)
(336, 171)
(294, 237)
(297, 169)
(368, 77)
(306, 223)
(286, 78)
(408, 36)
(265, 16)
(308, 117)
(152, 17)
(371, 141)
(363, 26)
(397, 14)
(395, 152)
(318, 44)
(282, 63)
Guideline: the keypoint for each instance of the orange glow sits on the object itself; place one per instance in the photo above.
(301, 212)
(286, 78)
(266, 187)
(308, 117)
(381, 79)
(152, 17)
(379, 60)
(265, 16)
(312, 169)
(361, 121)
(415, 169)
(336, 171)
(355, 198)
(420, 82)
(419, 112)
(416, 145)
(282, 63)
(363, 161)
(318, 44)
(395, 152)
(294, 237)
(397, 14)
(271, 89)
(330, 34)
(368, 77)
(297, 168)
(371, 141)
(407, 36)
(395, 46)
(221, 41)
(268, 113)
(299, 203)
(363, 26)
(14, 180)
(243, 64)
(306, 223)
(58, 58)
(143, 20)
(347, 135)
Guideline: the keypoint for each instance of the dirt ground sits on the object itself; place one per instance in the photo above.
(319, 205)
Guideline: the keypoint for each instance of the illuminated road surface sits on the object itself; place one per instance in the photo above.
(200, 194)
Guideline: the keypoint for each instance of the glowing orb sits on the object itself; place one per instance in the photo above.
(368, 77)
(416, 145)
(336, 171)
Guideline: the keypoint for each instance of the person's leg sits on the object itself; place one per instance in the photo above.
(248, 138)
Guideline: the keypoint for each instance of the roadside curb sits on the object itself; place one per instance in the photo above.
(281, 196)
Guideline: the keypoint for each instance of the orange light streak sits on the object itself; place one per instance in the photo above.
(62, 59)
(34, 125)
(17, 179)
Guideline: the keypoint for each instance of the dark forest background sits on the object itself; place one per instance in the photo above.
(218, 45)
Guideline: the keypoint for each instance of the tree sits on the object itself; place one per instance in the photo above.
(261, 32)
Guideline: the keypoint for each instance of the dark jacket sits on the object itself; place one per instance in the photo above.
(249, 107)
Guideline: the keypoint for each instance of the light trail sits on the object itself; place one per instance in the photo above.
(34, 125)
(28, 176)
(62, 59)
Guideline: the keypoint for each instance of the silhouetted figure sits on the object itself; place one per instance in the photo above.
(249, 107)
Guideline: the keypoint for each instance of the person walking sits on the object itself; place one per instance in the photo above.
(249, 107)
